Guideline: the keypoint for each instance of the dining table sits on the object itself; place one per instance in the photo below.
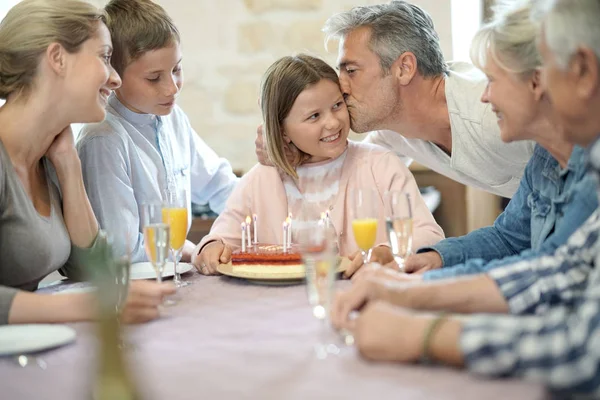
(228, 338)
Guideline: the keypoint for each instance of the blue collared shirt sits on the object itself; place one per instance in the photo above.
(550, 204)
(556, 343)
(130, 159)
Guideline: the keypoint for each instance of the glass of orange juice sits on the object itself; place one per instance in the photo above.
(175, 214)
(364, 219)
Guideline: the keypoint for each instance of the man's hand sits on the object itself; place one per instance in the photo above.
(386, 333)
(261, 149)
(359, 295)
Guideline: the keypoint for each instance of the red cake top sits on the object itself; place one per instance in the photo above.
(266, 254)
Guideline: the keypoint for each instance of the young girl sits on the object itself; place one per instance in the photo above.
(304, 112)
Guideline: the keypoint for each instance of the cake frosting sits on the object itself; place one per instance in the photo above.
(266, 255)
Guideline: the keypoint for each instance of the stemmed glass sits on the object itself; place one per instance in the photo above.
(156, 240)
(364, 221)
(175, 214)
(316, 243)
(399, 225)
(120, 268)
(156, 237)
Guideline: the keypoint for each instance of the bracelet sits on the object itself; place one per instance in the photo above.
(429, 332)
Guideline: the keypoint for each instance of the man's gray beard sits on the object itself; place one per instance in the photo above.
(358, 128)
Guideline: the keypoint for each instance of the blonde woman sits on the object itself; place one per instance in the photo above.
(304, 112)
(54, 70)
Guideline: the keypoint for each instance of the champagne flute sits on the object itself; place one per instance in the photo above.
(175, 214)
(317, 246)
(399, 225)
(120, 268)
(364, 222)
(156, 237)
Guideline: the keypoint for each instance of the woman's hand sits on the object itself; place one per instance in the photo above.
(420, 263)
(380, 254)
(386, 272)
(62, 148)
(211, 256)
(143, 300)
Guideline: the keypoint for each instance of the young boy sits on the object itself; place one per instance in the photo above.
(145, 150)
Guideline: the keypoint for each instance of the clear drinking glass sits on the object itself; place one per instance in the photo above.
(399, 225)
(364, 221)
(156, 237)
(175, 214)
(317, 245)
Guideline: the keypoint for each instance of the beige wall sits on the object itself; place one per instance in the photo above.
(228, 44)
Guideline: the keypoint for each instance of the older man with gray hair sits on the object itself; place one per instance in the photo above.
(555, 339)
(396, 83)
(395, 80)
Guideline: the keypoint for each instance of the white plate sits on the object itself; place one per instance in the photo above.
(144, 270)
(20, 339)
(272, 274)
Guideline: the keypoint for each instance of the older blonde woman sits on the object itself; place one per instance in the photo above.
(54, 70)
(556, 343)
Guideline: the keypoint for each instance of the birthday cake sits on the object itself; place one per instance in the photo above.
(267, 257)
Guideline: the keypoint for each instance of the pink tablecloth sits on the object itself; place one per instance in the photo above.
(228, 339)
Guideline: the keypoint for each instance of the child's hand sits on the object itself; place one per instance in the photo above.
(211, 256)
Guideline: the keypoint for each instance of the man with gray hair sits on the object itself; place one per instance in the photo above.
(553, 332)
(396, 83)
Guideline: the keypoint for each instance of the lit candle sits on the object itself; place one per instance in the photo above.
(327, 219)
(285, 228)
(248, 224)
(322, 218)
(243, 237)
(289, 232)
(255, 229)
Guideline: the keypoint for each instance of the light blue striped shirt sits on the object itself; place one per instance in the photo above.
(553, 336)
(130, 159)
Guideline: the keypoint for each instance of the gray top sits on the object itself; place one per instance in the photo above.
(31, 245)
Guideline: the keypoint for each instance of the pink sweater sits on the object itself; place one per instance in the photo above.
(261, 190)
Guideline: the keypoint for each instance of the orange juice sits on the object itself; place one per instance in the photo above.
(365, 232)
(177, 219)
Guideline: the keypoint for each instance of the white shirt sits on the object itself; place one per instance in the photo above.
(130, 159)
(479, 157)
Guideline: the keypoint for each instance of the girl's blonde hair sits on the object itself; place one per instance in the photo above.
(281, 85)
(509, 39)
(30, 27)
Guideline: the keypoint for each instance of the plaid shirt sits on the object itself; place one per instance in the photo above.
(556, 338)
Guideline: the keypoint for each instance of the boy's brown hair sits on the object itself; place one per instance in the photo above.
(136, 27)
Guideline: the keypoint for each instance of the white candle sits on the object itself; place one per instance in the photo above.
(248, 224)
(289, 232)
(285, 227)
(243, 237)
(327, 219)
(255, 230)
